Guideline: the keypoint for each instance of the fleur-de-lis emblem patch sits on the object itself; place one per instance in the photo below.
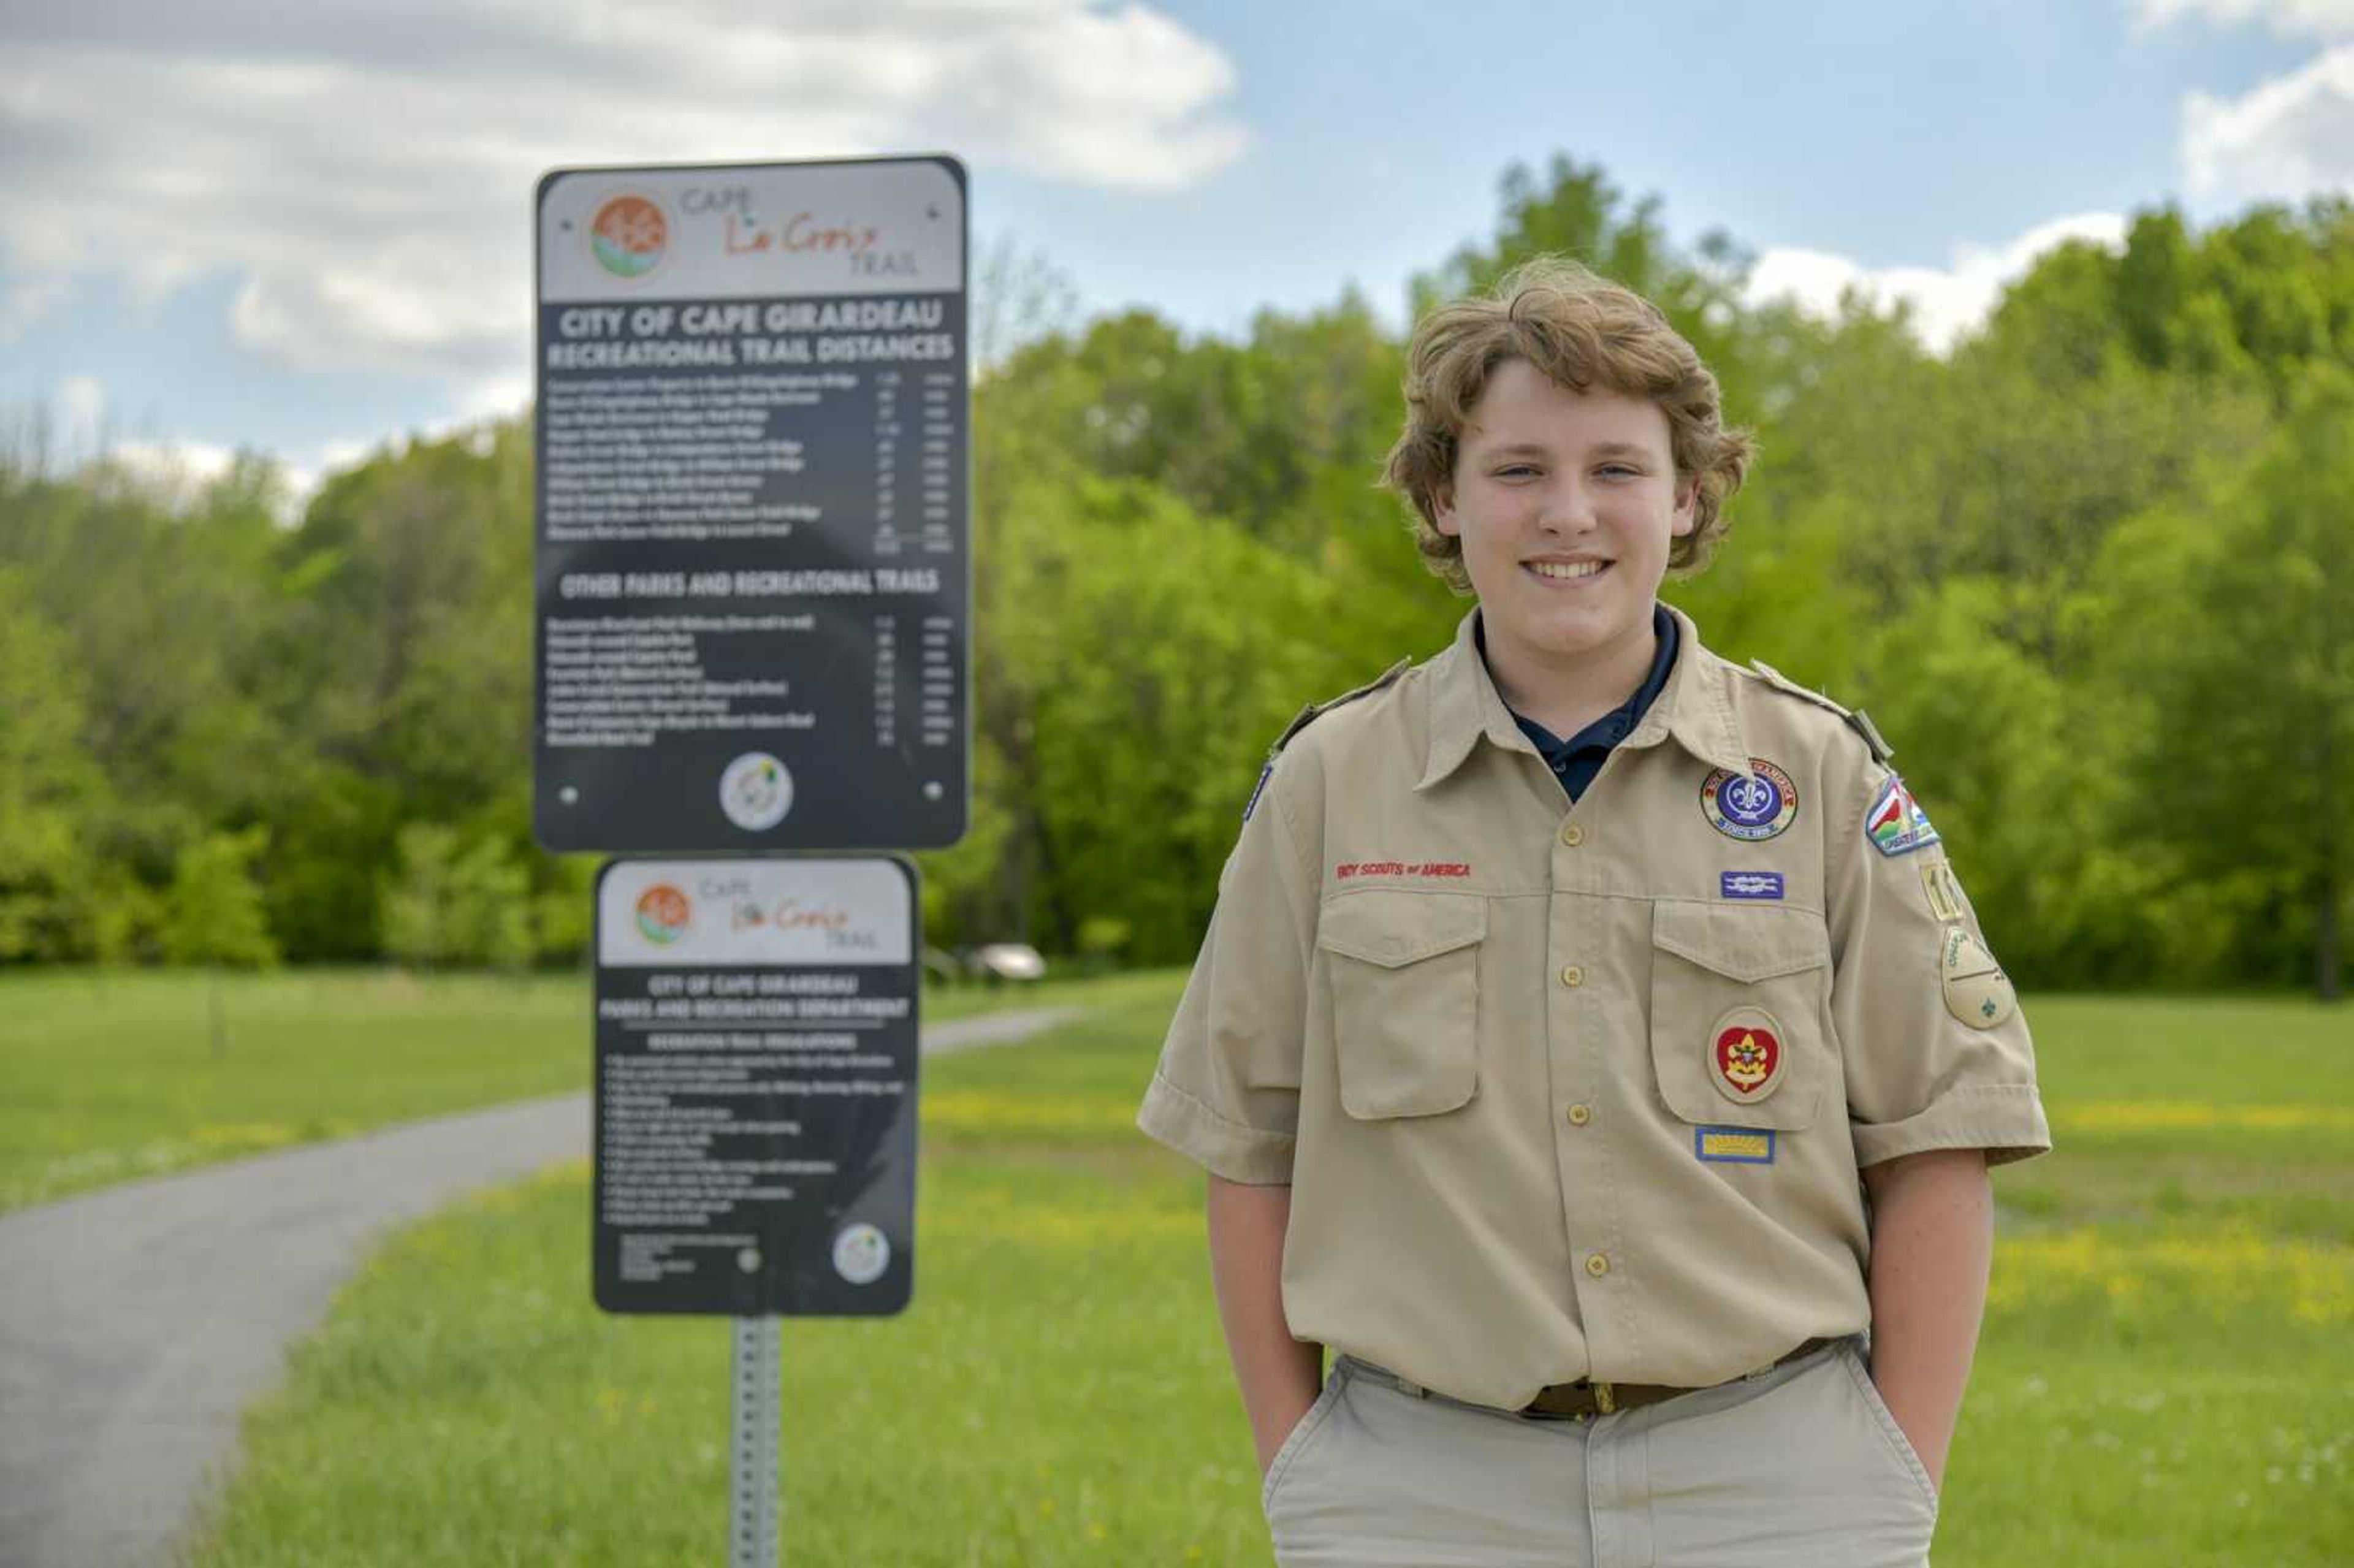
(1745, 1058)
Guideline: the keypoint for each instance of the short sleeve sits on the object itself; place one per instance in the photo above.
(1226, 1092)
(1938, 1052)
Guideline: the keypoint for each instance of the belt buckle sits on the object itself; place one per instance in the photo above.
(1605, 1401)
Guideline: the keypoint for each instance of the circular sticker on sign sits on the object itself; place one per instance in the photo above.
(756, 791)
(1758, 804)
(861, 1253)
(1745, 1059)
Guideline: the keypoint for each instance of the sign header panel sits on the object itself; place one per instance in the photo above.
(754, 584)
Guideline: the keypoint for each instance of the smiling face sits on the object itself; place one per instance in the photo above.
(1565, 503)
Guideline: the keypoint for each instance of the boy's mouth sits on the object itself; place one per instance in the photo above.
(1565, 571)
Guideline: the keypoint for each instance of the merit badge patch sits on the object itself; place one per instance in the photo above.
(1756, 805)
(1745, 1059)
(1945, 891)
(1749, 884)
(1734, 1145)
(1896, 822)
(1977, 991)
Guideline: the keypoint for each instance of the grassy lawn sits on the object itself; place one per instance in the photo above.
(2166, 1376)
(115, 1074)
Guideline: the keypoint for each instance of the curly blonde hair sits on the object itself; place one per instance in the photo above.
(1583, 331)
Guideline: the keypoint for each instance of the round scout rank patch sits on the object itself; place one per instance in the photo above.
(1745, 1055)
(1758, 804)
(1977, 991)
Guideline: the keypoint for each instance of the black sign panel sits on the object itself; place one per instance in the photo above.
(754, 587)
(755, 1086)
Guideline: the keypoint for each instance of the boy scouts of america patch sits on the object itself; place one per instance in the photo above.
(1758, 804)
(1745, 1059)
(1977, 991)
(1896, 822)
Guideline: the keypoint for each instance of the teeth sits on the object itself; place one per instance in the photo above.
(1566, 569)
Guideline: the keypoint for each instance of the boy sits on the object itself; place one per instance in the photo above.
(1592, 1042)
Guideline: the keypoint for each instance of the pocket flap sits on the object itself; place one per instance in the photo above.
(1746, 944)
(1391, 928)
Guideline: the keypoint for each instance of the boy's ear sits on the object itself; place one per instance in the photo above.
(1442, 510)
(1686, 516)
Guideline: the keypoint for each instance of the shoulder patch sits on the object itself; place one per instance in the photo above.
(1307, 714)
(1856, 719)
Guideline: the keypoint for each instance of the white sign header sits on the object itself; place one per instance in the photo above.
(805, 913)
(878, 226)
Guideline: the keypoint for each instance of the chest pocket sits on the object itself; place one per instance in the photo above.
(1712, 965)
(1405, 971)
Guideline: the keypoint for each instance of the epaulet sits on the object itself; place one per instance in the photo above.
(1308, 714)
(1856, 718)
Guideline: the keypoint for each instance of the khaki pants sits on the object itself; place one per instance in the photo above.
(1802, 1466)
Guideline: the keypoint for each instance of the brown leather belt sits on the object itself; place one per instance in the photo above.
(1590, 1397)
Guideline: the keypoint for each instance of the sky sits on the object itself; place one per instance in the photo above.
(306, 229)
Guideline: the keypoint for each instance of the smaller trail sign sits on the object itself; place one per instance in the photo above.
(755, 1086)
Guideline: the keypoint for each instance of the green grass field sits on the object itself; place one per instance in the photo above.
(116, 1075)
(2167, 1375)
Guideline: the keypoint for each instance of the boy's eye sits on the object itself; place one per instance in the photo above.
(1620, 470)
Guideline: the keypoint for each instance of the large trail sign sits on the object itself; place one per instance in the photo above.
(754, 586)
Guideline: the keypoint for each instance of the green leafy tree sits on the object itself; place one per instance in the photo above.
(214, 913)
(449, 903)
(47, 786)
(2236, 619)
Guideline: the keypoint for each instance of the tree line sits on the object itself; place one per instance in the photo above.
(2089, 571)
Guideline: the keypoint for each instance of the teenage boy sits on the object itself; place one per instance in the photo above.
(1592, 1043)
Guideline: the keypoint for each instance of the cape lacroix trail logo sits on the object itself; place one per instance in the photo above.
(631, 235)
(663, 913)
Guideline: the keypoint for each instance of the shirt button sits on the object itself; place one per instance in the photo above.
(1572, 976)
(1596, 1264)
(1580, 1115)
(1573, 835)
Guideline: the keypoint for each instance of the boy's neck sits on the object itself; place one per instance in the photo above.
(1565, 694)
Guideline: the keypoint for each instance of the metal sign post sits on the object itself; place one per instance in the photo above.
(755, 1404)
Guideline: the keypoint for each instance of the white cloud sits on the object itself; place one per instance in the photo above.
(2286, 139)
(81, 413)
(2322, 18)
(1947, 303)
(175, 466)
(365, 170)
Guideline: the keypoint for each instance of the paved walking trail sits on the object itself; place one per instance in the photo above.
(136, 1323)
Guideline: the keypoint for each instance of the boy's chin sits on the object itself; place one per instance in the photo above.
(1590, 630)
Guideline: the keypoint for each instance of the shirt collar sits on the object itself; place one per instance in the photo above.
(1695, 707)
(1619, 722)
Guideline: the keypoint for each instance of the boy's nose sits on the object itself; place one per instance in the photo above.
(1568, 510)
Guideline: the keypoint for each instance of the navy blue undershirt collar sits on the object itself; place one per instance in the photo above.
(1576, 760)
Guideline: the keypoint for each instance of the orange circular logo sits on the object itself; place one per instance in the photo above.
(629, 236)
(663, 914)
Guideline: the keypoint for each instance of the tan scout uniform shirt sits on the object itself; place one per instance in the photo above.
(1565, 1091)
